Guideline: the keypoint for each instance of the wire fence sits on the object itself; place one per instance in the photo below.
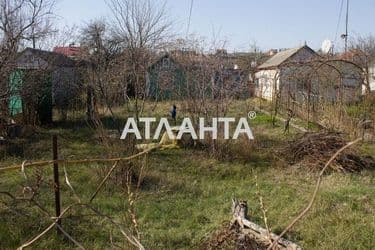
(33, 183)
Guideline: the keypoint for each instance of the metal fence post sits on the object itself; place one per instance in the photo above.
(56, 181)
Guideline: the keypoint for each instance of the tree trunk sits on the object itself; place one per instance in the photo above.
(91, 117)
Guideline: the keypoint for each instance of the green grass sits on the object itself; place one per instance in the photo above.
(186, 194)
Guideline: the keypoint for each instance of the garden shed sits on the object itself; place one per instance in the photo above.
(41, 80)
(166, 79)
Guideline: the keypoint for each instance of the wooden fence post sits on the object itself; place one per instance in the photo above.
(56, 181)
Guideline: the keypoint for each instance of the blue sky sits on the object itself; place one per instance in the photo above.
(269, 23)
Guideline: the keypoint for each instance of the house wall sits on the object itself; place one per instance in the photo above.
(165, 80)
(294, 75)
(15, 99)
(265, 81)
(284, 75)
(293, 82)
(29, 61)
(352, 80)
(371, 78)
(65, 86)
(33, 87)
(37, 83)
(332, 82)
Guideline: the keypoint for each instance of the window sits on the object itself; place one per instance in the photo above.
(350, 81)
(166, 63)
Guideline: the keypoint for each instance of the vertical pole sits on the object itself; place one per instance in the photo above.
(346, 25)
(56, 181)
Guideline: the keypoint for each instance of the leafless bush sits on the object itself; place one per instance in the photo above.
(319, 91)
(21, 22)
(242, 150)
(141, 28)
(362, 52)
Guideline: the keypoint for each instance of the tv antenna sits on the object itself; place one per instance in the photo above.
(327, 46)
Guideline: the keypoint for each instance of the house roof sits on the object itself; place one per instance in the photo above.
(159, 59)
(70, 51)
(186, 58)
(281, 57)
(52, 58)
(350, 55)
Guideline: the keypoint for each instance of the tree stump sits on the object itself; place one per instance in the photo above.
(260, 234)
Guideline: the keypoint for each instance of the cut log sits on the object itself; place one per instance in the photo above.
(239, 209)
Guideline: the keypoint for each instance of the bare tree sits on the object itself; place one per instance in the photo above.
(64, 36)
(209, 84)
(363, 49)
(318, 91)
(103, 52)
(141, 27)
(25, 20)
(21, 22)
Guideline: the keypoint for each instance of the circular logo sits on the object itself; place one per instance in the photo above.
(252, 115)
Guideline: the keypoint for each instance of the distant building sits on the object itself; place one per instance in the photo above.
(221, 52)
(42, 79)
(299, 75)
(271, 73)
(356, 56)
(372, 77)
(272, 52)
(71, 51)
(167, 76)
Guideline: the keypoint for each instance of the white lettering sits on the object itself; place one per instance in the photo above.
(186, 127)
(226, 125)
(243, 123)
(147, 121)
(203, 129)
(131, 122)
(164, 122)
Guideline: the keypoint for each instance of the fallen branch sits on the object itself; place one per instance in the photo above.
(131, 239)
(70, 237)
(48, 228)
(264, 210)
(260, 234)
(103, 181)
(314, 194)
(49, 162)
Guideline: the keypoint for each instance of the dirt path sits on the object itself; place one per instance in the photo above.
(283, 120)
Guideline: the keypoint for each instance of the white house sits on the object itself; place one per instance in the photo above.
(271, 73)
(300, 75)
(371, 79)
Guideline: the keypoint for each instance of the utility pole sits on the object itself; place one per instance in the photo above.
(346, 25)
(33, 36)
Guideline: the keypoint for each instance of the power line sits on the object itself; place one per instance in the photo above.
(189, 20)
(339, 20)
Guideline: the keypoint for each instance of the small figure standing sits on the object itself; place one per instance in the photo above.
(290, 115)
(174, 113)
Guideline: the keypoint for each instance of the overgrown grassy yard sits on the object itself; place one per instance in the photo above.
(186, 195)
